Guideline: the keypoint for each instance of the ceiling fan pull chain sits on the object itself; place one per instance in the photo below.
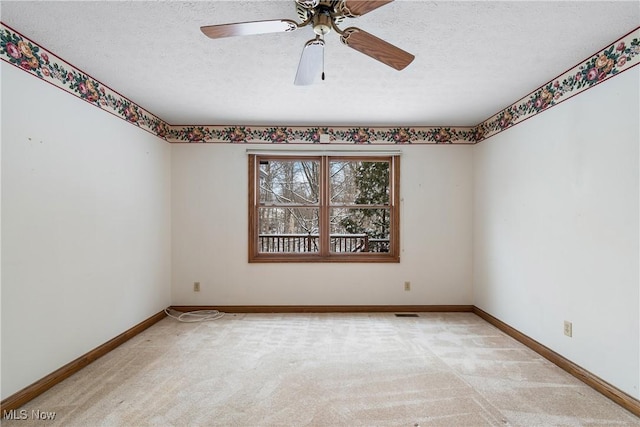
(322, 60)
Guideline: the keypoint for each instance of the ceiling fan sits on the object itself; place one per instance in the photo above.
(323, 16)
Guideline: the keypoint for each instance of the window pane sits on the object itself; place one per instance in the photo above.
(360, 230)
(288, 230)
(289, 182)
(359, 182)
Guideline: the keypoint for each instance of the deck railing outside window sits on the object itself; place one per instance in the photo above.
(300, 243)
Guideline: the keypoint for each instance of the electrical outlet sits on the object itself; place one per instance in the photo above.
(568, 328)
(407, 286)
(196, 286)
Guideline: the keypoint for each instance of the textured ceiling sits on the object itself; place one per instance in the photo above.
(472, 58)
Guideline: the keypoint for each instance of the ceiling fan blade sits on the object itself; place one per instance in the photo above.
(376, 48)
(355, 8)
(310, 65)
(249, 28)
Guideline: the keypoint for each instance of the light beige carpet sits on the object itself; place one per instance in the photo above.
(439, 369)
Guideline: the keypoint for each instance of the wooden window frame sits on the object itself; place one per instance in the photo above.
(324, 254)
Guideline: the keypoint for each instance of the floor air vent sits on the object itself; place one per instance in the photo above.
(406, 315)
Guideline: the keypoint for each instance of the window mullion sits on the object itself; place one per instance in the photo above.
(325, 226)
(253, 206)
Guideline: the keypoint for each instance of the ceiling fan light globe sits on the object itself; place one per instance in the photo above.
(321, 29)
(322, 23)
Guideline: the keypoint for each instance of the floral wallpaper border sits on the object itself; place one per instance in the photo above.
(619, 56)
(23, 53)
(27, 55)
(332, 135)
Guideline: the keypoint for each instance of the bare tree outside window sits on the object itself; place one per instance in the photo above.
(289, 205)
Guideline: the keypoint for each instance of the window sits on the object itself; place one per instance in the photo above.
(323, 208)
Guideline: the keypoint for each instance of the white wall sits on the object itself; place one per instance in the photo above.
(85, 228)
(209, 229)
(556, 233)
